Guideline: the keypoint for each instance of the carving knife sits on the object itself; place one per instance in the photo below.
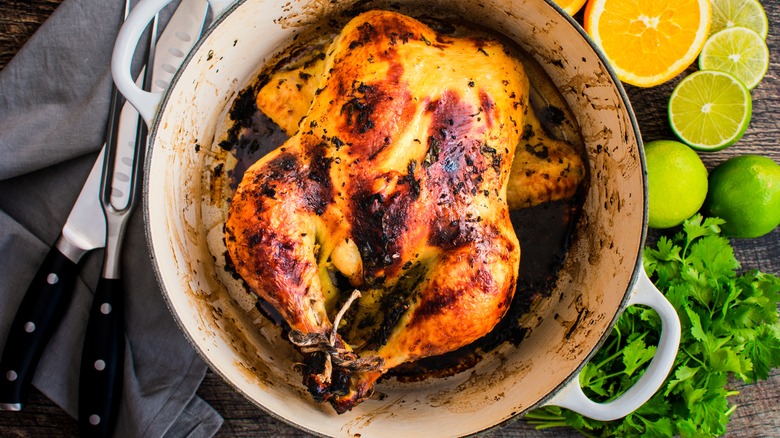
(49, 294)
(100, 381)
(46, 300)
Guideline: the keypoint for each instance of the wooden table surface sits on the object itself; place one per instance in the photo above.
(758, 413)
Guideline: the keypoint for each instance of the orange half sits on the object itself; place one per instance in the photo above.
(649, 42)
(570, 6)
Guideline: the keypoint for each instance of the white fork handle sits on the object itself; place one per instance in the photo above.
(572, 397)
(126, 42)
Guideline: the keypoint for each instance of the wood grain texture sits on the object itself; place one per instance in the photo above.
(758, 413)
(19, 19)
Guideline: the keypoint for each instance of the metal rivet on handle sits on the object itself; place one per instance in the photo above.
(52, 278)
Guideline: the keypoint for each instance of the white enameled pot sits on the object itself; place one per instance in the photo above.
(602, 274)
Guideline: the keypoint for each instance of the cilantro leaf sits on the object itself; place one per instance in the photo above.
(636, 354)
(697, 331)
(714, 256)
(763, 349)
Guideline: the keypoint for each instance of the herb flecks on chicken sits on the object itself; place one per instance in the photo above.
(544, 169)
(395, 185)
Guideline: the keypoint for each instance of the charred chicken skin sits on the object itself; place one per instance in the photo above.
(392, 191)
(544, 168)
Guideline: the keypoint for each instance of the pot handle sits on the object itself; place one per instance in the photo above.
(126, 42)
(572, 397)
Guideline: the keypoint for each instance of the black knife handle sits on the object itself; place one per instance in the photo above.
(42, 308)
(100, 381)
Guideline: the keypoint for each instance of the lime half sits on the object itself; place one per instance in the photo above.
(744, 13)
(739, 51)
(709, 110)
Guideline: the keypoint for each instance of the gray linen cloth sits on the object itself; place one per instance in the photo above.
(54, 98)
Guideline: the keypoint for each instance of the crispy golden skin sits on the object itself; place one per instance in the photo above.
(395, 181)
(544, 169)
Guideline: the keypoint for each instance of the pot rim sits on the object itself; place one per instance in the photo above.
(152, 135)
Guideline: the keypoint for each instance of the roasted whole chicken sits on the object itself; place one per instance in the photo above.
(380, 230)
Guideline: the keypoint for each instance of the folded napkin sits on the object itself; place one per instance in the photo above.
(54, 99)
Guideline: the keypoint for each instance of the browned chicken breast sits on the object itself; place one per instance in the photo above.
(393, 186)
(544, 168)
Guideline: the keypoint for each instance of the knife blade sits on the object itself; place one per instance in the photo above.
(100, 381)
(180, 35)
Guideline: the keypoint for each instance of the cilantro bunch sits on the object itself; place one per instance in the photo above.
(729, 327)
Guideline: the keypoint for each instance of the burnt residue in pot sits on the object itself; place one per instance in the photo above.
(251, 137)
(544, 231)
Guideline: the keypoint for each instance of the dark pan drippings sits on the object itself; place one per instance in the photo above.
(544, 231)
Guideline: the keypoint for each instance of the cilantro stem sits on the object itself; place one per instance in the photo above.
(684, 254)
(699, 361)
(549, 425)
(620, 351)
(614, 355)
(541, 415)
(607, 376)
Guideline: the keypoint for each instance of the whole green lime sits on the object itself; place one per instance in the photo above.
(745, 192)
(677, 183)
